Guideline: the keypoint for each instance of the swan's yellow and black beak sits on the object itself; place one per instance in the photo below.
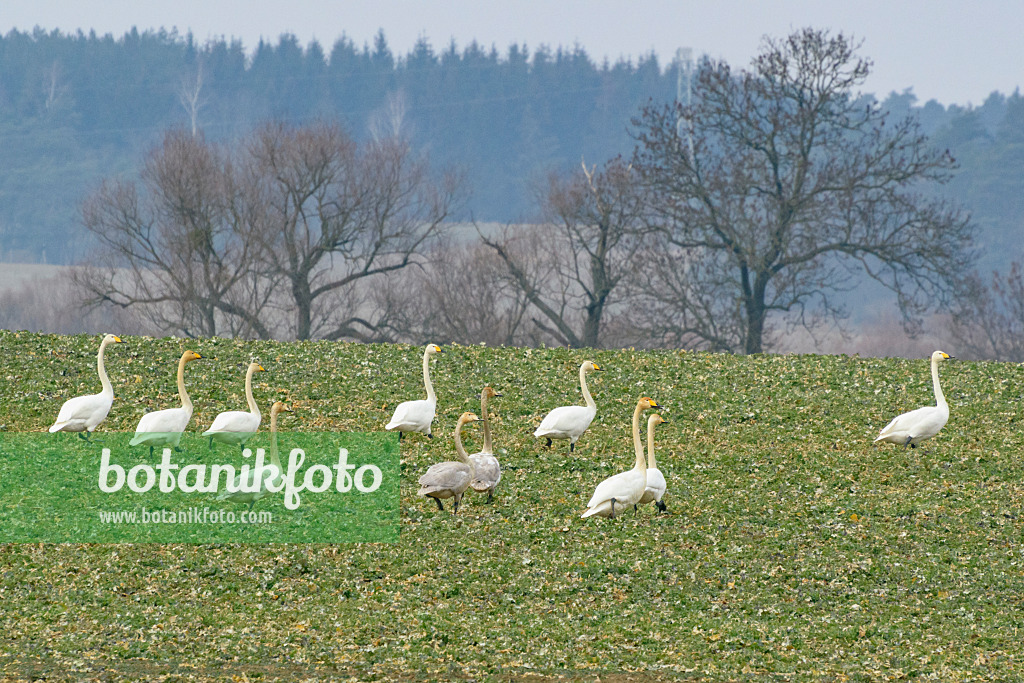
(118, 340)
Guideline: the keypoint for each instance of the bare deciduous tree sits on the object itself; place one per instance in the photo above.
(569, 267)
(793, 189)
(989, 324)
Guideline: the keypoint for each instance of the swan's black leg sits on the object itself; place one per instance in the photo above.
(150, 451)
(907, 443)
(490, 496)
(439, 505)
(548, 444)
(455, 510)
(661, 506)
(83, 437)
(429, 435)
(613, 509)
(636, 509)
(572, 447)
(400, 436)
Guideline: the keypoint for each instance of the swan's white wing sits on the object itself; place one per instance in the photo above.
(413, 416)
(656, 486)
(922, 423)
(234, 421)
(161, 427)
(83, 412)
(626, 487)
(566, 422)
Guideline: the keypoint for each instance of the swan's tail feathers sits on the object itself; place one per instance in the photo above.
(57, 426)
(589, 512)
(391, 425)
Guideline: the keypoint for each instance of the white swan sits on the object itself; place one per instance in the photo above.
(910, 429)
(487, 469)
(569, 422)
(164, 427)
(236, 426)
(656, 485)
(417, 416)
(83, 414)
(626, 488)
(450, 479)
(272, 474)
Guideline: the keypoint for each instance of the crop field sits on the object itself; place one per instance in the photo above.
(792, 549)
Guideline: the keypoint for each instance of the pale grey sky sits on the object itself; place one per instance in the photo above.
(954, 51)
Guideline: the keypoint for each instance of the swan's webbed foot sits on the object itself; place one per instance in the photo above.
(661, 506)
(429, 435)
(440, 506)
(177, 449)
(83, 436)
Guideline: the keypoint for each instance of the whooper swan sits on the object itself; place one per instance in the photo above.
(83, 414)
(164, 427)
(487, 469)
(626, 488)
(569, 422)
(417, 416)
(272, 474)
(236, 426)
(450, 479)
(656, 486)
(910, 429)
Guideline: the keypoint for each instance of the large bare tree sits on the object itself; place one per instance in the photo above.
(989, 324)
(778, 187)
(569, 267)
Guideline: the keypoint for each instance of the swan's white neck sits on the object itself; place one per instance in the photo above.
(254, 408)
(641, 464)
(940, 399)
(652, 463)
(426, 377)
(586, 390)
(488, 448)
(460, 451)
(108, 390)
(186, 402)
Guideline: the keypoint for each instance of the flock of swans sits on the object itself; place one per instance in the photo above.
(643, 484)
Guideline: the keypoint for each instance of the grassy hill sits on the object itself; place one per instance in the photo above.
(793, 548)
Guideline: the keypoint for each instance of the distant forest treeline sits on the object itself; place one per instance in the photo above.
(77, 108)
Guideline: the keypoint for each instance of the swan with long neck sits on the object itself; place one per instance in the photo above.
(486, 466)
(450, 479)
(417, 416)
(910, 429)
(656, 485)
(569, 422)
(237, 426)
(83, 414)
(273, 474)
(620, 491)
(164, 427)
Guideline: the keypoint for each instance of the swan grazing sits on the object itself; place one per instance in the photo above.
(656, 485)
(164, 427)
(910, 429)
(450, 479)
(626, 488)
(83, 414)
(569, 422)
(416, 416)
(487, 469)
(272, 474)
(236, 426)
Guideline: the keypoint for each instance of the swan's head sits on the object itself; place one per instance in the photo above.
(942, 355)
(256, 367)
(656, 420)
(489, 392)
(467, 417)
(280, 407)
(112, 339)
(433, 348)
(590, 366)
(190, 355)
(646, 402)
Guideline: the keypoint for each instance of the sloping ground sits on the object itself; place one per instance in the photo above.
(793, 549)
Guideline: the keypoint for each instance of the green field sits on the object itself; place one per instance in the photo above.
(793, 548)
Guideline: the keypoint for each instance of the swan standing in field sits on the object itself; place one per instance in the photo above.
(626, 488)
(450, 479)
(236, 426)
(656, 485)
(272, 474)
(164, 427)
(569, 422)
(417, 416)
(83, 414)
(487, 469)
(910, 429)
